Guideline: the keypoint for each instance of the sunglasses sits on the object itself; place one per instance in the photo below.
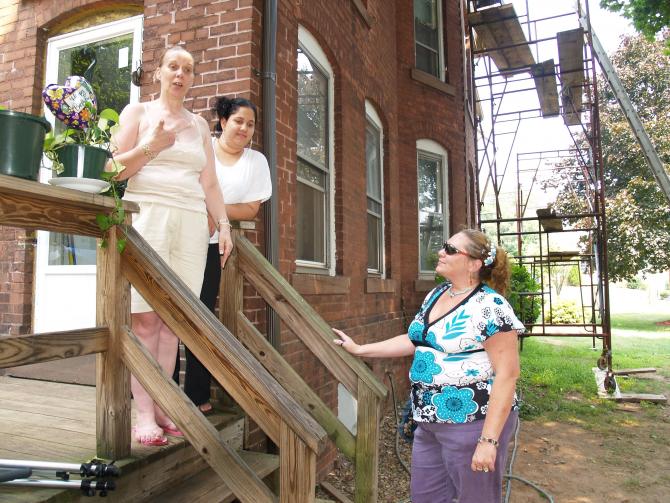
(450, 249)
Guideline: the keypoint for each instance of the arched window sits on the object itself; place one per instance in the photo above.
(315, 229)
(433, 198)
(374, 180)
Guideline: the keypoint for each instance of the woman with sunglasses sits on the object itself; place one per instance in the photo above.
(463, 377)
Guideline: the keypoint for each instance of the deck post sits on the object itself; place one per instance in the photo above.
(231, 289)
(112, 376)
(297, 468)
(367, 445)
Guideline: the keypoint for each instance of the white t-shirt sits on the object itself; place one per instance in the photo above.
(245, 181)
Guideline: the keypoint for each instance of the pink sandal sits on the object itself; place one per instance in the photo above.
(155, 441)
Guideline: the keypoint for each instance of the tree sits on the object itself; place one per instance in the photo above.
(649, 17)
(638, 214)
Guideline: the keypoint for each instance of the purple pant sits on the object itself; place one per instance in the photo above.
(441, 458)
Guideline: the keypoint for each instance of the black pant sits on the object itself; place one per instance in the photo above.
(197, 380)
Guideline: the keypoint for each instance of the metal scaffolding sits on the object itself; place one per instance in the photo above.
(542, 70)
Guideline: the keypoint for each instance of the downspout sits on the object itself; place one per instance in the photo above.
(271, 214)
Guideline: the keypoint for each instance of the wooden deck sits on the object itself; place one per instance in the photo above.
(47, 421)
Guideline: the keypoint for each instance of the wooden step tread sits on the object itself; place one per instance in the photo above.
(207, 486)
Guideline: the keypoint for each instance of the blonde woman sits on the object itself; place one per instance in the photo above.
(169, 164)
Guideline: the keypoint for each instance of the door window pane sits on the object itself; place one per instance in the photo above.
(431, 209)
(107, 67)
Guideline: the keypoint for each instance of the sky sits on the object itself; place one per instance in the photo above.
(541, 134)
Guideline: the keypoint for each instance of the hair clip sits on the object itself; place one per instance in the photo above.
(492, 256)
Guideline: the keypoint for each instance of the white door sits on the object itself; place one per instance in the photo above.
(65, 264)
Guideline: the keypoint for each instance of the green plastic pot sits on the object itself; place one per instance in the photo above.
(21, 141)
(82, 161)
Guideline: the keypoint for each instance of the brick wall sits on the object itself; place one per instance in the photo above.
(370, 47)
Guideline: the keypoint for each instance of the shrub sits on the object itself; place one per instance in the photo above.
(565, 311)
(664, 294)
(527, 307)
(573, 275)
(634, 283)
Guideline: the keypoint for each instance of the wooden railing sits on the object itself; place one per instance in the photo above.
(246, 262)
(37, 206)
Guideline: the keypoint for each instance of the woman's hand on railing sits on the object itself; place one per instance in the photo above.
(225, 244)
(346, 342)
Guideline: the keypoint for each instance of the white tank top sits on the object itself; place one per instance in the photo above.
(172, 177)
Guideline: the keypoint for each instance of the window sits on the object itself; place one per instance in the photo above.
(428, 37)
(433, 201)
(374, 189)
(314, 226)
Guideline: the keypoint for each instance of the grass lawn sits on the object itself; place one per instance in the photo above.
(557, 382)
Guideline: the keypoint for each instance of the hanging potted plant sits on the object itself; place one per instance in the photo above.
(21, 138)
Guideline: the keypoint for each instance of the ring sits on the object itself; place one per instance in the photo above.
(486, 470)
(221, 253)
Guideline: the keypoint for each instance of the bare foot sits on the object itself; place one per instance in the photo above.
(205, 408)
(149, 434)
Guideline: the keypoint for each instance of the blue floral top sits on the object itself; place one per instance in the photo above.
(451, 375)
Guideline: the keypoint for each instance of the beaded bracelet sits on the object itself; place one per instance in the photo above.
(491, 441)
(224, 221)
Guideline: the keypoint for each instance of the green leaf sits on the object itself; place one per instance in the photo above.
(121, 245)
(110, 115)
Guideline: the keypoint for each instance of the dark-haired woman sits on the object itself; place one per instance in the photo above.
(463, 377)
(169, 164)
(244, 177)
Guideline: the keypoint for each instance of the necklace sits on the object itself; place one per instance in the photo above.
(454, 293)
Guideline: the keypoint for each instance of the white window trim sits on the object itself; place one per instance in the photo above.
(440, 40)
(433, 148)
(372, 116)
(311, 47)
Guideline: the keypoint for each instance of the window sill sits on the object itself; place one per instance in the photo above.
(318, 284)
(424, 285)
(432, 81)
(380, 285)
(363, 11)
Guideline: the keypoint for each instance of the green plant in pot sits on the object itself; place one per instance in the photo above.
(21, 138)
(82, 153)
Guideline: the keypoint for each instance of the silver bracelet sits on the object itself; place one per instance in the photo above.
(491, 441)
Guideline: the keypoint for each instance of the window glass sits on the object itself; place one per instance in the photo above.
(107, 67)
(427, 34)
(312, 112)
(373, 168)
(431, 209)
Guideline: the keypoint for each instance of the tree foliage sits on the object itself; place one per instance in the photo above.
(649, 17)
(637, 212)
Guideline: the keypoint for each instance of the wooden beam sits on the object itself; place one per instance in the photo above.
(499, 27)
(291, 381)
(637, 397)
(17, 350)
(367, 445)
(297, 468)
(544, 75)
(571, 66)
(625, 372)
(305, 322)
(242, 376)
(112, 388)
(33, 205)
(234, 472)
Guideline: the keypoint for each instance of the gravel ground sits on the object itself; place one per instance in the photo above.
(393, 479)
